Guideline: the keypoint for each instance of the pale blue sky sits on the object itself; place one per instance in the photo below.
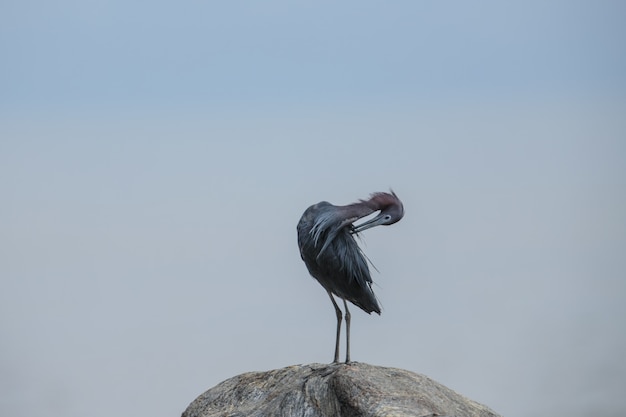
(78, 54)
(155, 159)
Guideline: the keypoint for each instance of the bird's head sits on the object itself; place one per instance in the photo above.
(390, 207)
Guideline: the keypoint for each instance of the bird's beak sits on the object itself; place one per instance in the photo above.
(376, 221)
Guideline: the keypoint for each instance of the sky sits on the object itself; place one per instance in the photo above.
(155, 158)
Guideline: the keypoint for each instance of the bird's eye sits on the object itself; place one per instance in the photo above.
(387, 218)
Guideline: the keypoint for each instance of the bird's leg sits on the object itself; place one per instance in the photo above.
(347, 331)
(339, 317)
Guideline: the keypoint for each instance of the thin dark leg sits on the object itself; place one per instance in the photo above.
(339, 317)
(347, 331)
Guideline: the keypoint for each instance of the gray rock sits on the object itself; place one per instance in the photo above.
(335, 390)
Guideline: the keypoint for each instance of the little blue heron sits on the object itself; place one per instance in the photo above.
(333, 257)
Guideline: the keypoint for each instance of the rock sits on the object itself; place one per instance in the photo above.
(335, 390)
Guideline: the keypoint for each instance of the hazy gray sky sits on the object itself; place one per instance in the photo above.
(155, 158)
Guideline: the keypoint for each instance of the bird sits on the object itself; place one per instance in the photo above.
(332, 256)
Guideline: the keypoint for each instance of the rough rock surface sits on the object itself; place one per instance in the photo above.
(337, 390)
